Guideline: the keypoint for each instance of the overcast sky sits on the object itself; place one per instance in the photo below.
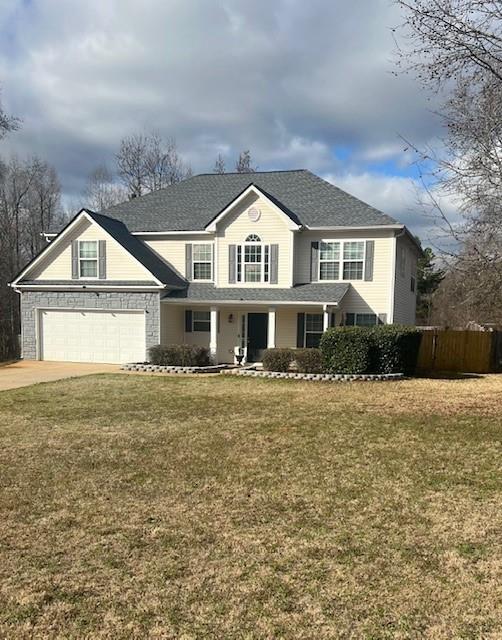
(302, 84)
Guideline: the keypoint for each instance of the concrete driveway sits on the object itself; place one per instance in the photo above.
(26, 372)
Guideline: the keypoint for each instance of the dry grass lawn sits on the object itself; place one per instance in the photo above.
(148, 507)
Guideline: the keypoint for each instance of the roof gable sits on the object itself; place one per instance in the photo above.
(289, 217)
(194, 203)
(161, 273)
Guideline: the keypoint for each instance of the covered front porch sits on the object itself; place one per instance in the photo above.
(229, 329)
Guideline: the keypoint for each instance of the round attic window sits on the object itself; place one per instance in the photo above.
(254, 214)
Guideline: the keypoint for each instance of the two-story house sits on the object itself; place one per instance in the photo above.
(268, 259)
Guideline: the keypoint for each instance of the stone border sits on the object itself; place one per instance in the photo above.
(317, 377)
(157, 368)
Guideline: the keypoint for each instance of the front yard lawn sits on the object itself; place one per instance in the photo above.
(136, 506)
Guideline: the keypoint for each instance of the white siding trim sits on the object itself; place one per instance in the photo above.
(56, 241)
(257, 191)
(392, 288)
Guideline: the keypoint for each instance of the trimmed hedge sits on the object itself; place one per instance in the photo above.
(277, 359)
(179, 355)
(395, 348)
(379, 349)
(308, 360)
(346, 350)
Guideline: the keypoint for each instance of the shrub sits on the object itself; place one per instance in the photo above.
(346, 350)
(394, 348)
(179, 355)
(308, 360)
(277, 359)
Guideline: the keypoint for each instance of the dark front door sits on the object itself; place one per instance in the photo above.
(257, 335)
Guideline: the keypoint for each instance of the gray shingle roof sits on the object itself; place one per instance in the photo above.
(322, 293)
(90, 283)
(190, 205)
(139, 250)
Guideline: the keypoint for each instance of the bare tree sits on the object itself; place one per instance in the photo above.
(147, 162)
(29, 204)
(455, 48)
(219, 164)
(101, 191)
(7, 123)
(244, 163)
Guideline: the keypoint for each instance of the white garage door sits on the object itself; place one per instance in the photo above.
(92, 336)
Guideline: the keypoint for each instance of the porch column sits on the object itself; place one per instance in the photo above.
(325, 318)
(213, 340)
(271, 328)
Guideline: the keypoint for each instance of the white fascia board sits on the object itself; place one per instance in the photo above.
(45, 252)
(172, 233)
(256, 190)
(86, 287)
(256, 303)
(373, 227)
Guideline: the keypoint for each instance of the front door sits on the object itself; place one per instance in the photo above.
(257, 335)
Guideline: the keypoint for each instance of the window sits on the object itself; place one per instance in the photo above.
(329, 261)
(202, 257)
(201, 321)
(341, 260)
(353, 260)
(313, 329)
(412, 284)
(361, 319)
(253, 260)
(88, 258)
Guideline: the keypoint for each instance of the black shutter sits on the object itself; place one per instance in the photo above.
(74, 260)
(274, 263)
(188, 320)
(332, 319)
(231, 263)
(369, 260)
(102, 259)
(188, 262)
(350, 319)
(314, 262)
(300, 330)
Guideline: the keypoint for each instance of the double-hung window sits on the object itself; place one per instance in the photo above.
(201, 321)
(253, 260)
(353, 260)
(88, 258)
(329, 261)
(361, 319)
(342, 260)
(313, 329)
(202, 260)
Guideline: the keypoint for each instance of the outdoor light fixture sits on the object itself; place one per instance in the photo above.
(230, 318)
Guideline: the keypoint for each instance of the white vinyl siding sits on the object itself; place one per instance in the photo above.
(271, 228)
(172, 248)
(120, 265)
(363, 296)
(406, 269)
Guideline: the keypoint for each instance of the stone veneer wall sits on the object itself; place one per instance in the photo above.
(33, 300)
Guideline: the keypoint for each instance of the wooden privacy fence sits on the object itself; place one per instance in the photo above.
(462, 351)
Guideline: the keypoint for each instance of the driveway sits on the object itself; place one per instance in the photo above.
(26, 372)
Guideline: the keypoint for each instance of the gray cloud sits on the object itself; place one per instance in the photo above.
(292, 81)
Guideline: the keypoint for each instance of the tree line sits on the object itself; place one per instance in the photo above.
(31, 203)
(454, 48)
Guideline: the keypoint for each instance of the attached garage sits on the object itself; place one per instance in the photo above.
(91, 335)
